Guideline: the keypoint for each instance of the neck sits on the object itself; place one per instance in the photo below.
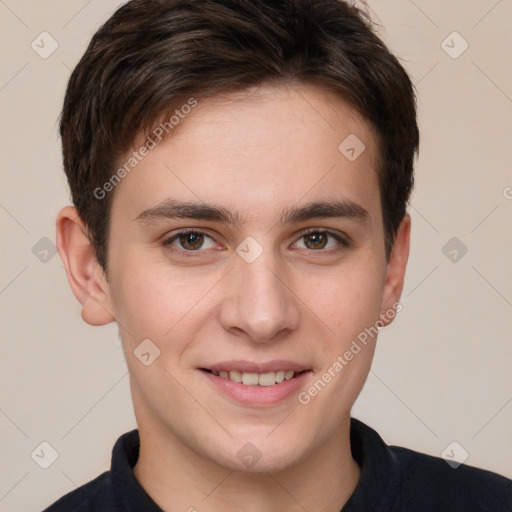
(178, 478)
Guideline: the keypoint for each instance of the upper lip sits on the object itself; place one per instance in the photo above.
(253, 367)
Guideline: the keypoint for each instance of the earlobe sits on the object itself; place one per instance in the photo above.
(395, 272)
(85, 275)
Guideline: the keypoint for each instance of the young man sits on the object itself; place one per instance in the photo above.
(240, 172)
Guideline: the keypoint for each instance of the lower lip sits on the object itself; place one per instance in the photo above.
(257, 395)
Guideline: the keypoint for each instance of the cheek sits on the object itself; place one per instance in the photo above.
(346, 302)
(151, 300)
(349, 306)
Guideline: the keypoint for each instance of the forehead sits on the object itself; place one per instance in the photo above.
(251, 150)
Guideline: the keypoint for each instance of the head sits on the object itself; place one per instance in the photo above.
(281, 136)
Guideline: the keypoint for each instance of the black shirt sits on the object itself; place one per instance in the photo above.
(392, 479)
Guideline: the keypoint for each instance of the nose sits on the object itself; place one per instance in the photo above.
(259, 303)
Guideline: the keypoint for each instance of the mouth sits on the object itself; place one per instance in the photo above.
(265, 379)
(254, 384)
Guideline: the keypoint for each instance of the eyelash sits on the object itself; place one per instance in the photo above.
(344, 243)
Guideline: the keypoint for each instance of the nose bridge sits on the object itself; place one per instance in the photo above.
(259, 303)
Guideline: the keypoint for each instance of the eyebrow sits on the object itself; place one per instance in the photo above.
(171, 209)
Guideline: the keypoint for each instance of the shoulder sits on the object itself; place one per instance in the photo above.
(430, 483)
(96, 495)
(116, 489)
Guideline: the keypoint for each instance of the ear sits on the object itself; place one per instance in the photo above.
(85, 275)
(395, 272)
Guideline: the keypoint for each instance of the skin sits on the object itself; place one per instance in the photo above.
(256, 153)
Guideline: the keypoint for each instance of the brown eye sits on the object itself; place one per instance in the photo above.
(315, 240)
(191, 241)
(319, 240)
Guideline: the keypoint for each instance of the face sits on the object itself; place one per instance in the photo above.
(248, 247)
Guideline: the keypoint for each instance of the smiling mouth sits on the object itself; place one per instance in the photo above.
(256, 379)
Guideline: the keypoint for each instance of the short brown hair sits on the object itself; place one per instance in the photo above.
(152, 55)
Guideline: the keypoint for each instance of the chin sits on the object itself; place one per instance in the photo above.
(264, 450)
(249, 459)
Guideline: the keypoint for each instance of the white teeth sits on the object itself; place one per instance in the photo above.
(288, 375)
(267, 379)
(256, 379)
(250, 379)
(236, 376)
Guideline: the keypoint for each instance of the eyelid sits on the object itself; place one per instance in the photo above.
(185, 231)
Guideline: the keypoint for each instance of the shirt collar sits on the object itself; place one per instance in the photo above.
(378, 486)
(129, 494)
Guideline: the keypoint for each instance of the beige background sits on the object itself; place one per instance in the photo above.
(442, 370)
